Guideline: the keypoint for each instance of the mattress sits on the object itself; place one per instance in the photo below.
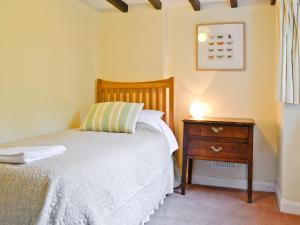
(102, 179)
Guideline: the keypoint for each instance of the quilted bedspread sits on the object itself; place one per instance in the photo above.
(102, 179)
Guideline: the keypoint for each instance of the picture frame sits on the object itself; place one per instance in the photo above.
(220, 46)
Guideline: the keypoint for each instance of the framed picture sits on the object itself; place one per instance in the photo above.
(220, 46)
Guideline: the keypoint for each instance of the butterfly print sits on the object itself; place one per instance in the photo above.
(220, 56)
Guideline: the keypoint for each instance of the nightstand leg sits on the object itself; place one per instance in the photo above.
(183, 179)
(190, 171)
(250, 175)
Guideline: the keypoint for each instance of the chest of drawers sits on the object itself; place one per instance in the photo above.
(218, 139)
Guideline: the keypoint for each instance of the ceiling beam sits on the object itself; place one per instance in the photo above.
(273, 2)
(233, 3)
(195, 4)
(156, 3)
(119, 4)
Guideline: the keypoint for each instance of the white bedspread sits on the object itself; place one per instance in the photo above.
(103, 179)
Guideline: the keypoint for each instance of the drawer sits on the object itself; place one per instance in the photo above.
(217, 150)
(217, 130)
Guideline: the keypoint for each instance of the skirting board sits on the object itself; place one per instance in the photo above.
(234, 183)
(287, 206)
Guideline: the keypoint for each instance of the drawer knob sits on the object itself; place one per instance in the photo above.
(216, 149)
(217, 129)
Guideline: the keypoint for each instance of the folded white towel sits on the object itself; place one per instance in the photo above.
(27, 154)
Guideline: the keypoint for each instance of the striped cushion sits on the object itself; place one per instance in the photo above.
(118, 117)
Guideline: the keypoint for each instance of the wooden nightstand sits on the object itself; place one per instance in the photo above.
(218, 139)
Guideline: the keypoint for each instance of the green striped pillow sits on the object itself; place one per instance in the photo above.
(118, 117)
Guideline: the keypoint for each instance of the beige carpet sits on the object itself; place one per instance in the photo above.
(216, 206)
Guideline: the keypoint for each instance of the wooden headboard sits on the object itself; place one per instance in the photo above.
(156, 95)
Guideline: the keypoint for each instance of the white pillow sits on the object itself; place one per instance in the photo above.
(150, 115)
(166, 130)
(153, 118)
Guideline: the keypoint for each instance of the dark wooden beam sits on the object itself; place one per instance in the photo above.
(195, 4)
(119, 4)
(273, 2)
(156, 3)
(233, 3)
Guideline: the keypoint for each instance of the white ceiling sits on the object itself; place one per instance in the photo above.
(103, 4)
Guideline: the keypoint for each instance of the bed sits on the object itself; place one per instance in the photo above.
(103, 178)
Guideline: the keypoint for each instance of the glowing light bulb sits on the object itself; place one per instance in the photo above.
(198, 110)
(202, 37)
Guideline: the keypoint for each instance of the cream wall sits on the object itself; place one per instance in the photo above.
(248, 93)
(162, 43)
(288, 178)
(132, 44)
(48, 64)
(290, 153)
